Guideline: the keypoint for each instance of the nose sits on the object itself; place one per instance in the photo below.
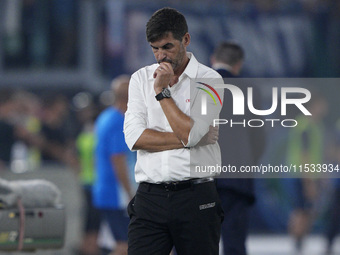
(161, 54)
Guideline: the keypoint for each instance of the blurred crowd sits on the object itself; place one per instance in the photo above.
(40, 34)
(309, 199)
(37, 129)
(43, 129)
(311, 6)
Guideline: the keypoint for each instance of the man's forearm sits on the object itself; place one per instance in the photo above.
(118, 162)
(179, 122)
(154, 141)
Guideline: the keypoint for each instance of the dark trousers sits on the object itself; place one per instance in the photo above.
(235, 225)
(189, 219)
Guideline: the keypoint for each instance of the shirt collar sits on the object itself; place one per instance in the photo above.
(192, 67)
(224, 66)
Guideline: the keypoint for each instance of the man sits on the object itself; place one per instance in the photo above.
(171, 208)
(85, 144)
(55, 130)
(333, 219)
(113, 183)
(228, 59)
(239, 146)
(306, 144)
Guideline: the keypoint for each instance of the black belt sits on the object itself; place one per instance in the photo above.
(179, 185)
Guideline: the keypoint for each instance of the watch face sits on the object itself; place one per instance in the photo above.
(166, 93)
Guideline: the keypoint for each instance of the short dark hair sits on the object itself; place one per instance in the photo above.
(229, 53)
(164, 21)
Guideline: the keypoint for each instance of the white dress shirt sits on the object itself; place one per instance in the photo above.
(145, 112)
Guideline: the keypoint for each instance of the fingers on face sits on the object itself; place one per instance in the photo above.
(165, 66)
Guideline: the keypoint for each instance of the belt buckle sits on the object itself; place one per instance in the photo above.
(170, 186)
(166, 186)
(173, 186)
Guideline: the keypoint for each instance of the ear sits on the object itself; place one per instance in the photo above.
(212, 60)
(186, 39)
(238, 67)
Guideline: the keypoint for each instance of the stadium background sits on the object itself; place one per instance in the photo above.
(72, 46)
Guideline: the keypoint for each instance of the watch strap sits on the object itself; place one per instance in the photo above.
(163, 94)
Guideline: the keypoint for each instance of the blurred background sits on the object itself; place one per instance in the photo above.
(58, 57)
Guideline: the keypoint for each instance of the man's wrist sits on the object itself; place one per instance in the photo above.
(158, 90)
(165, 93)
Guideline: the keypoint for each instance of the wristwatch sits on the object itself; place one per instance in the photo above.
(164, 94)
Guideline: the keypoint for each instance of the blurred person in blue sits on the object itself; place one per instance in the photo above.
(113, 188)
(240, 146)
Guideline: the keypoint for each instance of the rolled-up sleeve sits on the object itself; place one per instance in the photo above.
(201, 122)
(136, 116)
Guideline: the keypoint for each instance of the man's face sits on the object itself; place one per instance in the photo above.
(168, 49)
